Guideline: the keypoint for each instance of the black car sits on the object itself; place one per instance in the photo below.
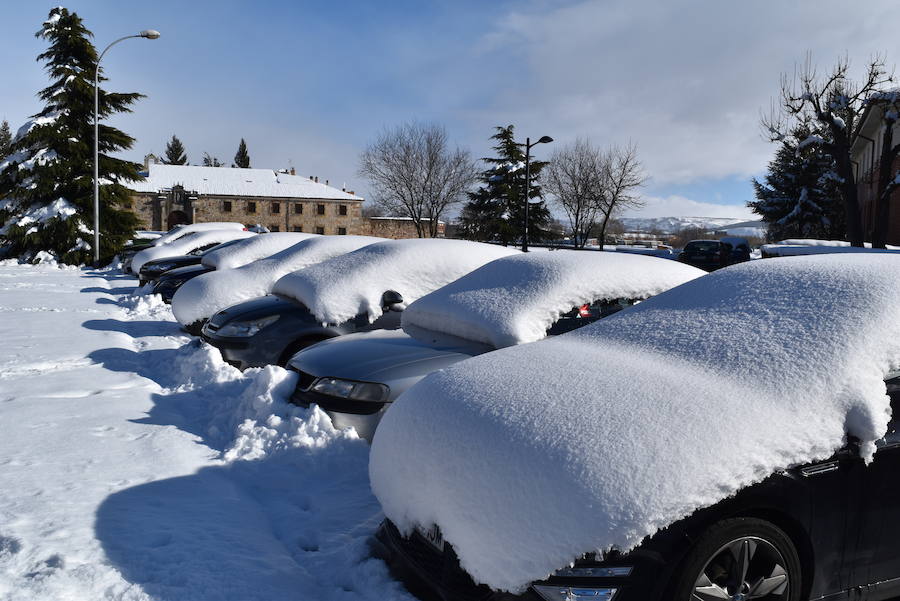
(827, 530)
(271, 329)
(152, 270)
(715, 254)
(169, 282)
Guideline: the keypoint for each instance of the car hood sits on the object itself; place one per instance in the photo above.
(389, 357)
(258, 308)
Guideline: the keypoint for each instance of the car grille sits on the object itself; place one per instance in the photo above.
(439, 569)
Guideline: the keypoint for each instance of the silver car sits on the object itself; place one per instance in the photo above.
(509, 301)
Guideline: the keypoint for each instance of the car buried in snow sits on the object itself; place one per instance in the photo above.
(362, 290)
(734, 438)
(512, 300)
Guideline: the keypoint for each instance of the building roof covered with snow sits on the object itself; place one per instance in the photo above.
(224, 181)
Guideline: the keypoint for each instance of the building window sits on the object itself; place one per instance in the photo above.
(226, 206)
(274, 228)
(320, 209)
(320, 230)
(276, 208)
(251, 207)
(298, 208)
(342, 231)
(342, 209)
(298, 228)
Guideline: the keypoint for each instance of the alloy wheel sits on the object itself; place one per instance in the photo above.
(743, 569)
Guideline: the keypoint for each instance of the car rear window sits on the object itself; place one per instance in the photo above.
(585, 314)
(704, 247)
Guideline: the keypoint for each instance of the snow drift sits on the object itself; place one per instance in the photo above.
(588, 440)
(201, 297)
(810, 246)
(515, 299)
(185, 245)
(346, 286)
(252, 249)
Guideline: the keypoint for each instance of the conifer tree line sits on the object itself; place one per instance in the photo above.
(46, 177)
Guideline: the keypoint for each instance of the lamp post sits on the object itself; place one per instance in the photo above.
(150, 34)
(528, 145)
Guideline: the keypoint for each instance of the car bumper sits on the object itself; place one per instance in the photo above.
(362, 416)
(239, 352)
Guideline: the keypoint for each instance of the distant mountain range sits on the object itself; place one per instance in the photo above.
(670, 225)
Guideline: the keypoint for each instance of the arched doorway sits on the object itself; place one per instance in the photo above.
(176, 218)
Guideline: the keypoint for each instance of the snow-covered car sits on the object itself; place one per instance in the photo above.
(794, 247)
(195, 302)
(512, 300)
(731, 438)
(187, 244)
(362, 290)
(151, 271)
(147, 239)
(222, 257)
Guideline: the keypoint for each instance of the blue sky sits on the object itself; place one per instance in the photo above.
(309, 84)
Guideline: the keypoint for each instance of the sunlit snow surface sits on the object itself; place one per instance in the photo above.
(137, 465)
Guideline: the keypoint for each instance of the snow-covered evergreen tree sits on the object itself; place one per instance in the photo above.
(242, 157)
(800, 196)
(175, 153)
(5, 139)
(46, 183)
(496, 211)
(211, 161)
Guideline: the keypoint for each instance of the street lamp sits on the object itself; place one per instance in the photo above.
(150, 34)
(528, 145)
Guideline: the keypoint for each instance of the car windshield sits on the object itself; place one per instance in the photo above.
(703, 246)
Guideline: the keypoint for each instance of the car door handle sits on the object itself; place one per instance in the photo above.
(819, 469)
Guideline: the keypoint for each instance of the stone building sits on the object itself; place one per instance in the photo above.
(282, 202)
(865, 154)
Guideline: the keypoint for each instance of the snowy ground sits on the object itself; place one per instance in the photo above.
(135, 464)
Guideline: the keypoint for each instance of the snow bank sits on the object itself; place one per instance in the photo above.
(252, 249)
(201, 297)
(515, 299)
(353, 284)
(798, 247)
(182, 230)
(186, 245)
(589, 439)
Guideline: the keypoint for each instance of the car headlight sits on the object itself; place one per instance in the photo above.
(244, 329)
(350, 389)
(550, 592)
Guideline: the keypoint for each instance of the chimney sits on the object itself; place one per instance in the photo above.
(326, 182)
(310, 178)
(317, 179)
(293, 172)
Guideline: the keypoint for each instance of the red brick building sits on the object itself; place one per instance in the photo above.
(865, 154)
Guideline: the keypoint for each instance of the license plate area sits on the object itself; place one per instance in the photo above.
(432, 536)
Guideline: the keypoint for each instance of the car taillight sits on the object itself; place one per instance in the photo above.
(584, 311)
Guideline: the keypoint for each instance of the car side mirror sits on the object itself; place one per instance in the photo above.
(392, 301)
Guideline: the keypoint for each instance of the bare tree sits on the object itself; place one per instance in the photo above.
(835, 104)
(622, 174)
(414, 173)
(575, 178)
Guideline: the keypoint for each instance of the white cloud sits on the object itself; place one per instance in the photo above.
(680, 206)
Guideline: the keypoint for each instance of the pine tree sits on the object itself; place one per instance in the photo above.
(175, 154)
(46, 183)
(242, 158)
(800, 195)
(496, 211)
(5, 139)
(211, 161)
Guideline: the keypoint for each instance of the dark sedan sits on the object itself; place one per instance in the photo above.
(827, 530)
(271, 329)
(715, 254)
(169, 282)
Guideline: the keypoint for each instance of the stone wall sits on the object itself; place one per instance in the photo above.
(395, 228)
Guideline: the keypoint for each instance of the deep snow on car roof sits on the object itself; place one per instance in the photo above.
(186, 244)
(353, 284)
(251, 249)
(201, 297)
(529, 456)
(179, 231)
(515, 299)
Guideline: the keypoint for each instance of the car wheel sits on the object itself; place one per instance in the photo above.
(738, 560)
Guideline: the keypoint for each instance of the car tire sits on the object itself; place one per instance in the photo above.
(740, 558)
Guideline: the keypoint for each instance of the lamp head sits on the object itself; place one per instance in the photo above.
(545, 140)
(150, 34)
